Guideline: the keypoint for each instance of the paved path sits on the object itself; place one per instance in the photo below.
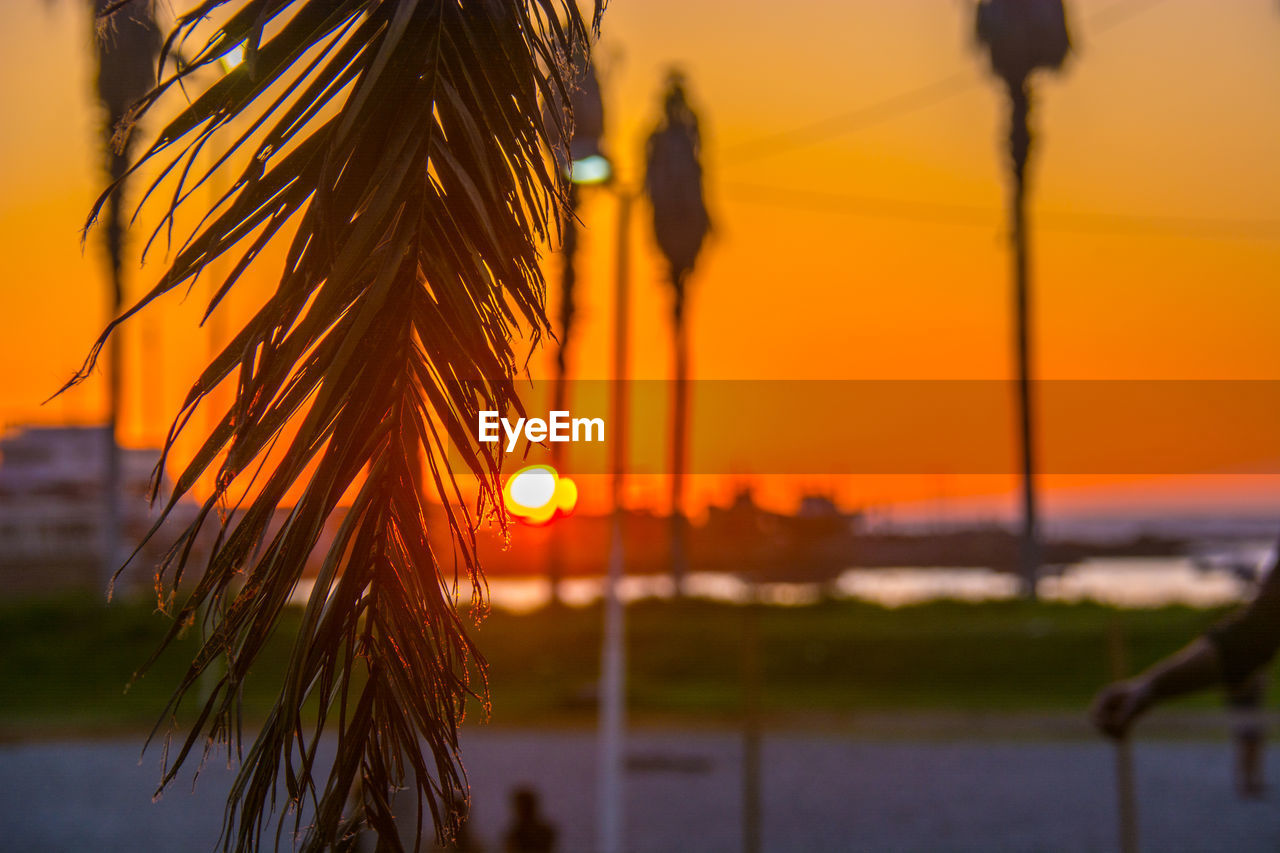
(821, 794)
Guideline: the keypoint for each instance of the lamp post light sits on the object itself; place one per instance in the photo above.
(591, 170)
(1023, 36)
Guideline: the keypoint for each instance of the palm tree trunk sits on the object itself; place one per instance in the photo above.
(1019, 148)
(679, 442)
(111, 481)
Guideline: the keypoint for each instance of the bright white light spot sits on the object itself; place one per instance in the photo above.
(590, 170)
(533, 487)
(233, 58)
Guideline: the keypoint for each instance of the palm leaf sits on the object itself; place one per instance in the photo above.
(404, 144)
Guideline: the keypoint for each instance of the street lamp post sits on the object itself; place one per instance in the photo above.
(588, 166)
(613, 652)
(613, 661)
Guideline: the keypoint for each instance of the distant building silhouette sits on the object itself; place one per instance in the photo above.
(52, 520)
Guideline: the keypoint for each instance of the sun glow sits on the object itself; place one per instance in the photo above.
(537, 494)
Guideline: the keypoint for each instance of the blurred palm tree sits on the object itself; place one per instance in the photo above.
(126, 47)
(673, 180)
(1023, 36)
(398, 147)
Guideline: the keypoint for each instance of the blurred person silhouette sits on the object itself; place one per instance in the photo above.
(529, 832)
(1233, 654)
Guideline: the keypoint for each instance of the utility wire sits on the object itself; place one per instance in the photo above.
(1080, 222)
(816, 200)
(857, 119)
(905, 103)
(1119, 12)
(970, 215)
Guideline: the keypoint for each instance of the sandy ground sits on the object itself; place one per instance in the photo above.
(821, 793)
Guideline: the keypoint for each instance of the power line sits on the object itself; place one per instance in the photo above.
(1119, 12)
(1081, 222)
(905, 103)
(971, 215)
(837, 125)
(914, 211)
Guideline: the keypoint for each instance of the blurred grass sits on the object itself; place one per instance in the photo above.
(64, 663)
(685, 658)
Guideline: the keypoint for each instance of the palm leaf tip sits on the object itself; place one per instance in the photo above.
(399, 147)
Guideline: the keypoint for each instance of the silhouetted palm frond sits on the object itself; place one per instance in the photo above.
(403, 140)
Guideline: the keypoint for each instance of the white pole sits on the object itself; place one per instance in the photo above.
(612, 702)
(613, 664)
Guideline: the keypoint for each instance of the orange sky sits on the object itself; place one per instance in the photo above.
(1165, 119)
